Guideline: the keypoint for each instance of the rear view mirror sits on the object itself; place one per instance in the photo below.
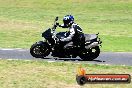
(56, 18)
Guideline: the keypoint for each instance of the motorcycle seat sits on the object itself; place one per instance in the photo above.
(89, 37)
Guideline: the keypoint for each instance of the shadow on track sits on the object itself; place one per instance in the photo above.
(72, 59)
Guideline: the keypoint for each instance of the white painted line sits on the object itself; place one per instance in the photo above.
(11, 49)
(6, 49)
(51, 61)
(17, 59)
(22, 50)
(12, 59)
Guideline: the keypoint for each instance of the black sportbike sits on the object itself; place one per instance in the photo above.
(89, 51)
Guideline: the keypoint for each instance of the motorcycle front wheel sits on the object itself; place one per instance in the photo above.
(39, 50)
(90, 54)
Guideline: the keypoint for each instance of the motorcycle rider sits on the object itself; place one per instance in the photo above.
(75, 34)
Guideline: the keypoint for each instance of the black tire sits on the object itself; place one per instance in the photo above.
(40, 50)
(90, 54)
(81, 80)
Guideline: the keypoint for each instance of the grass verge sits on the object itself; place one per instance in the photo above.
(42, 74)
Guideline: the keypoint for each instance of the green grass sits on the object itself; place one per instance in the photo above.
(22, 21)
(42, 74)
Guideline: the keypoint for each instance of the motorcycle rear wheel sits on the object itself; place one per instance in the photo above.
(90, 54)
(39, 50)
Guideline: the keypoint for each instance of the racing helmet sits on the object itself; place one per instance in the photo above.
(68, 20)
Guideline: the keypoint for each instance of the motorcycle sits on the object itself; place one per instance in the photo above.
(88, 52)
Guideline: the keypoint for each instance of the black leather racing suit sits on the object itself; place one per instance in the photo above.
(76, 36)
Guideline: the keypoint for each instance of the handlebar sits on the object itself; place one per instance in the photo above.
(54, 25)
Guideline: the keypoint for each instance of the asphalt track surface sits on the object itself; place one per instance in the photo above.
(113, 58)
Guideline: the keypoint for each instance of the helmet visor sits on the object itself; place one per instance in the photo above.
(66, 22)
